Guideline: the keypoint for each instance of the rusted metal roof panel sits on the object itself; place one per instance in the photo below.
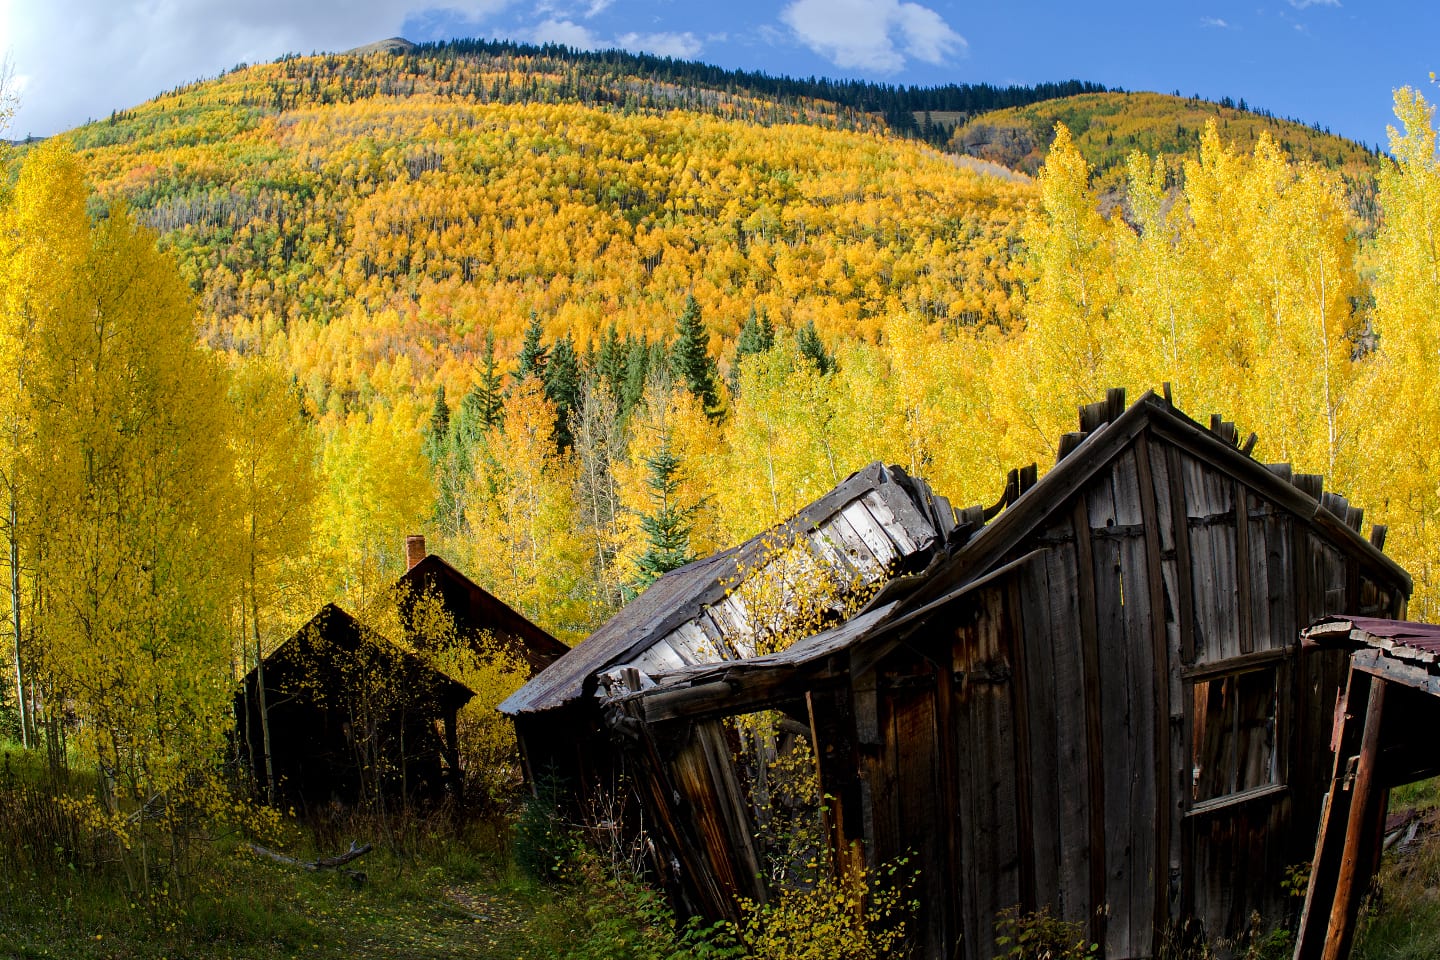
(1402, 639)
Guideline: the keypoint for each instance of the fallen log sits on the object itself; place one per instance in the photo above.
(337, 862)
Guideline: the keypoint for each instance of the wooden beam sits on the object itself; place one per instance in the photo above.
(1165, 782)
(1090, 654)
(1184, 587)
(1355, 859)
(1334, 812)
(1386, 668)
(1242, 567)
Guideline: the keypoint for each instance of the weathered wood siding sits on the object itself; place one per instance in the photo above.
(1032, 744)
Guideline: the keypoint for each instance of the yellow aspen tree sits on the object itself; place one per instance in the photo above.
(783, 449)
(44, 236)
(1397, 421)
(1154, 319)
(133, 536)
(1274, 265)
(377, 490)
(525, 520)
(275, 455)
(1060, 358)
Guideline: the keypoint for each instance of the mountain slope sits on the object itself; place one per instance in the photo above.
(375, 216)
(1108, 127)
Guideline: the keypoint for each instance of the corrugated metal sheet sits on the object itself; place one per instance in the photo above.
(1402, 639)
(899, 523)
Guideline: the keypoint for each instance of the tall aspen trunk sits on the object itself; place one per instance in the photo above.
(20, 699)
(260, 675)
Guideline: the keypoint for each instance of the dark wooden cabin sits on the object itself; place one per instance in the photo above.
(323, 681)
(353, 718)
(1384, 738)
(1092, 700)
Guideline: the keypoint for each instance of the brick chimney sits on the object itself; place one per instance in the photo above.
(414, 550)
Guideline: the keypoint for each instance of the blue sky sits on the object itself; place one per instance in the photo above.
(1331, 62)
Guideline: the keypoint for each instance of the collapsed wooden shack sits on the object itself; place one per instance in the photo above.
(1384, 737)
(352, 718)
(876, 524)
(1094, 703)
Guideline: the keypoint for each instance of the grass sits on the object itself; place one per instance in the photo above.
(463, 904)
(1401, 920)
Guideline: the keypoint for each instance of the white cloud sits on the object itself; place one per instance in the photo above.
(85, 58)
(1302, 4)
(878, 35)
(681, 46)
(1213, 22)
(567, 32)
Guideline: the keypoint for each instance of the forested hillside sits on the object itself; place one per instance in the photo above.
(1109, 126)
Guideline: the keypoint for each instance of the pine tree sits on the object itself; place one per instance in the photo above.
(667, 527)
(690, 360)
(610, 361)
(533, 354)
(486, 399)
(637, 372)
(439, 430)
(757, 335)
(812, 349)
(562, 388)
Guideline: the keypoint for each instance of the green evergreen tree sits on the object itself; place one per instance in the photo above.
(757, 335)
(487, 397)
(562, 387)
(437, 434)
(690, 360)
(610, 361)
(637, 371)
(533, 354)
(667, 528)
(811, 347)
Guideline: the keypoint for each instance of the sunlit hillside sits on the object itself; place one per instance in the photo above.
(1108, 127)
(390, 210)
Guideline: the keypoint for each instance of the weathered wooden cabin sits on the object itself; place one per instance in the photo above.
(876, 524)
(353, 718)
(1384, 737)
(1092, 700)
(335, 733)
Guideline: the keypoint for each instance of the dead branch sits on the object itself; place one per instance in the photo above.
(337, 862)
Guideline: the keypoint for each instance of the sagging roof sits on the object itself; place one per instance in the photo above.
(1400, 639)
(1108, 429)
(875, 523)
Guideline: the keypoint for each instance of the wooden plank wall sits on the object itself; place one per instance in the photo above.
(1070, 715)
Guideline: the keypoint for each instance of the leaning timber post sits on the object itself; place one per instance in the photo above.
(1345, 740)
(1354, 862)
